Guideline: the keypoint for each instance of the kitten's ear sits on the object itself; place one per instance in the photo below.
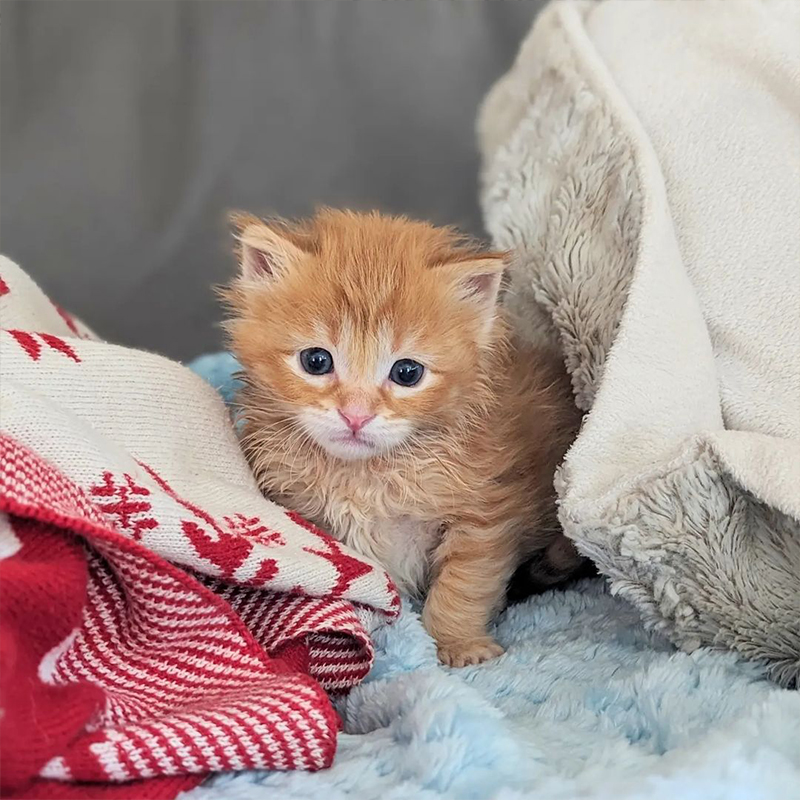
(263, 251)
(478, 281)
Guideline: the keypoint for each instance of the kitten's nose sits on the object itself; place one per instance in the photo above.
(355, 419)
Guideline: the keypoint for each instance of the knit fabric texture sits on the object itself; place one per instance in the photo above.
(164, 618)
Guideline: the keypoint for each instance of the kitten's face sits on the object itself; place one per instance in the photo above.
(363, 330)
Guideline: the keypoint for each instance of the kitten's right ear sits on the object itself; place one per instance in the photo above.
(263, 252)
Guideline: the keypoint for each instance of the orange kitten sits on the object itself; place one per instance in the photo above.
(387, 402)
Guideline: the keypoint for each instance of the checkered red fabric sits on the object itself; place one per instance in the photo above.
(160, 617)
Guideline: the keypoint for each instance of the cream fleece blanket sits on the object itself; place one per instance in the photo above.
(642, 160)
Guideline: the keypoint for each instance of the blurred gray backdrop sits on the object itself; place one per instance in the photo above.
(128, 128)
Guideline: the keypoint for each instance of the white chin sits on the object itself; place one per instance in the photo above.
(349, 450)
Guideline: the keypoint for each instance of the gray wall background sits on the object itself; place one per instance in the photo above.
(127, 129)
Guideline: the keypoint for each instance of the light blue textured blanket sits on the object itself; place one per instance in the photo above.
(584, 704)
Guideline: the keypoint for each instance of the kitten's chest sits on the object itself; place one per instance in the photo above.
(383, 520)
(403, 544)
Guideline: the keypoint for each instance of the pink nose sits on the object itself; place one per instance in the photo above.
(355, 420)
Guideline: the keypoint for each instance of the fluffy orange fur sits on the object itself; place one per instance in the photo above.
(449, 484)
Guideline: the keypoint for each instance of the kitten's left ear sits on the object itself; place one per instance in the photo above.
(478, 281)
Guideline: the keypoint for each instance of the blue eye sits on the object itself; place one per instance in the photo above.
(406, 372)
(316, 361)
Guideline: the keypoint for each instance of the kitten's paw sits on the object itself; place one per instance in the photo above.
(470, 651)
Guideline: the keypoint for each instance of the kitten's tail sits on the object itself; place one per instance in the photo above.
(557, 563)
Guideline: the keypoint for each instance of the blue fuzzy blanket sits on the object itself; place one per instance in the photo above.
(584, 704)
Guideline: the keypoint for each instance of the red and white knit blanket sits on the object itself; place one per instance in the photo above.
(159, 616)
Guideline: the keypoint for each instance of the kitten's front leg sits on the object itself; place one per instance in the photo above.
(474, 567)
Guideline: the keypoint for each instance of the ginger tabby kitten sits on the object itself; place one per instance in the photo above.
(387, 401)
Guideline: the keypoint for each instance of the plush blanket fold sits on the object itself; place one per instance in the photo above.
(160, 617)
(641, 160)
